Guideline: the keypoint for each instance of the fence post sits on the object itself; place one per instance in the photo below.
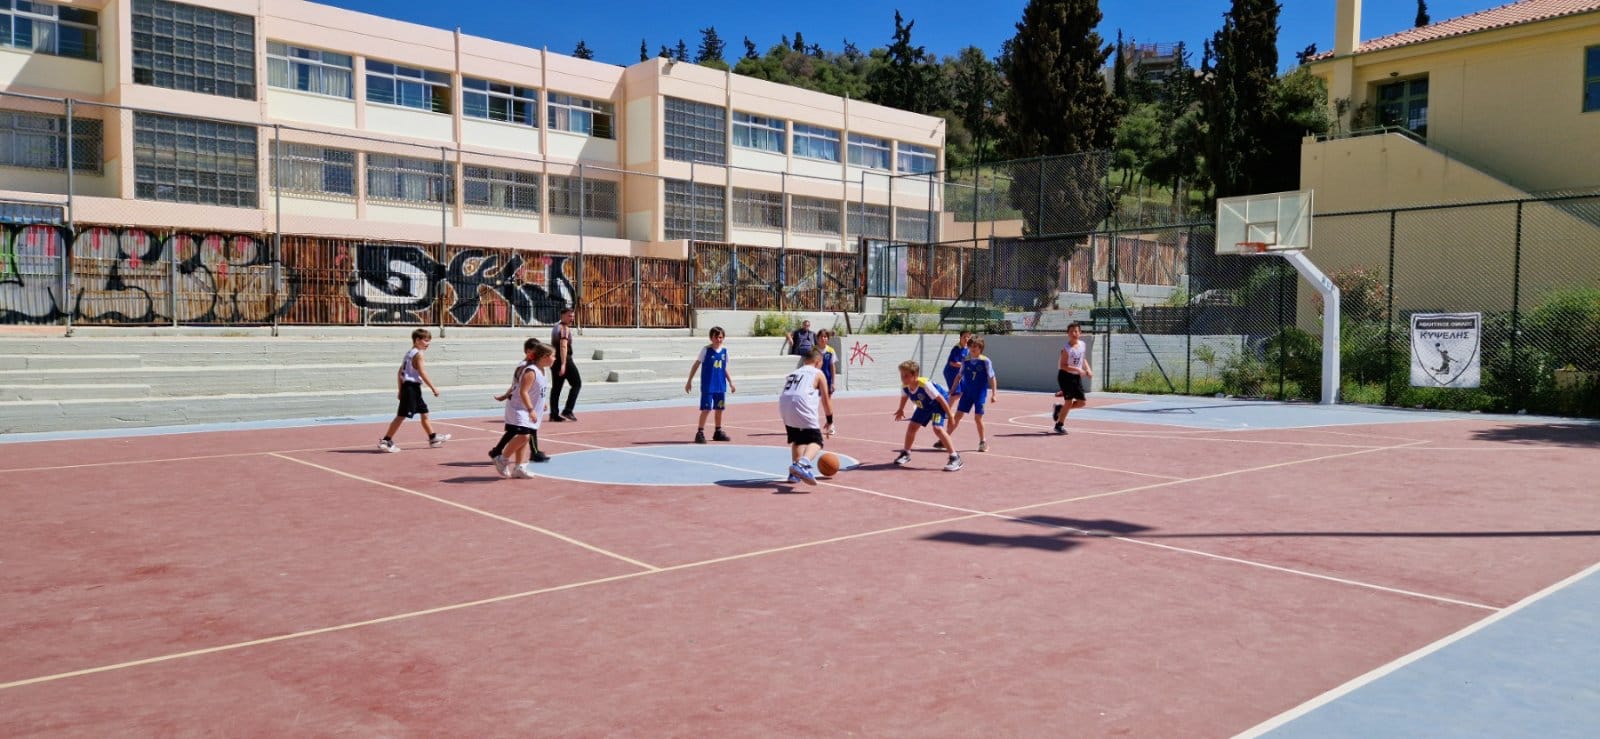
(171, 247)
(71, 234)
(277, 224)
(734, 262)
(1038, 215)
(1283, 345)
(1188, 319)
(1517, 399)
(446, 178)
(583, 183)
(638, 308)
(822, 294)
(692, 273)
(1388, 332)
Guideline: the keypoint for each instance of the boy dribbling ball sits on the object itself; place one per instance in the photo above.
(715, 383)
(931, 409)
(803, 403)
(410, 379)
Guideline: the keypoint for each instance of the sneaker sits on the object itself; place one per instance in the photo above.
(792, 478)
(700, 436)
(438, 440)
(904, 459)
(502, 466)
(983, 446)
(802, 470)
(540, 457)
(520, 472)
(1060, 430)
(720, 436)
(556, 419)
(387, 446)
(1055, 411)
(954, 463)
(938, 444)
(832, 430)
(567, 416)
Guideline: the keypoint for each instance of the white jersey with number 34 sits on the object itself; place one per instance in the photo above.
(798, 403)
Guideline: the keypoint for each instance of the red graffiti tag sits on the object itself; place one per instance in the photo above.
(858, 352)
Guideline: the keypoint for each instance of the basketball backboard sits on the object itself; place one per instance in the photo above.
(1263, 224)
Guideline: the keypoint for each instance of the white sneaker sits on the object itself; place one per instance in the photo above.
(832, 430)
(438, 440)
(983, 446)
(502, 466)
(387, 446)
(954, 464)
(520, 472)
(904, 459)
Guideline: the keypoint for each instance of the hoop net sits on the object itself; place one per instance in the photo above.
(1251, 247)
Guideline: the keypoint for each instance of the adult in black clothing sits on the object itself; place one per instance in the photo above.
(564, 372)
(801, 341)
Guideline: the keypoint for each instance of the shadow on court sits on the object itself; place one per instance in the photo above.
(1576, 434)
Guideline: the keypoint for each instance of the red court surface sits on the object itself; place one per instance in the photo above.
(1128, 579)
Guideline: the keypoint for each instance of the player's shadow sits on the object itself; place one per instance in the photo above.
(1069, 533)
(474, 479)
(775, 486)
(1572, 434)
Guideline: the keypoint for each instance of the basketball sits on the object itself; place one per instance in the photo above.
(828, 464)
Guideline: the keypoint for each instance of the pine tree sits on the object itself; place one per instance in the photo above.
(582, 51)
(682, 52)
(907, 80)
(644, 51)
(1119, 72)
(665, 52)
(750, 49)
(1237, 100)
(799, 42)
(711, 46)
(1422, 14)
(975, 85)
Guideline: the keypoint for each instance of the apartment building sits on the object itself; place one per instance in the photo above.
(293, 117)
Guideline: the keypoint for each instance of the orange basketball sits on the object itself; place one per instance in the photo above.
(828, 464)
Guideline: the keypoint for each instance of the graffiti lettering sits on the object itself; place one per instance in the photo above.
(30, 273)
(399, 281)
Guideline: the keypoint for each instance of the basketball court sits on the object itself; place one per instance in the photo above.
(1173, 567)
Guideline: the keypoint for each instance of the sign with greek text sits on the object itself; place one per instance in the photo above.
(1444, 349)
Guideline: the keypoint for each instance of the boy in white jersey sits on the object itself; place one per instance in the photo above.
(530, 397)
(1073, 375)
(803, 403)
(411, 378)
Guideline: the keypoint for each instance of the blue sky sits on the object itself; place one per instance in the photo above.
(613, 29)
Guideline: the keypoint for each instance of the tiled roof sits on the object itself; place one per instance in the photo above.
(1513, 14)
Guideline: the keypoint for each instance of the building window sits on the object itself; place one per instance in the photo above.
(1591, 79)
(599, 198)
(871, 221)
(50, 29)
(816, 215)
(580, 115)
(757, 132)
(815, 142)
(410, 180)
(183, 47)
(500, 189)
(911, 224)
(39, 141)
(497, 101)
(915, 159)
(868, 152)
(315, 170)
(408, 87)
(699, 216)
(757, 209)
(696, 132)
(188, 160)
(309, 70)
(1405, 104)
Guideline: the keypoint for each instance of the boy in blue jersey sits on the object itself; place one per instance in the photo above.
(978, 386)
(829, 360)
(931, 410)
(958, 354)
(715, 383)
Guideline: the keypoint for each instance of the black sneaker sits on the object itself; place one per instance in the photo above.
(540, 457)
(700, 436)
(1060, 430)
(1055, 411)
(720, 436)
(938, 444)
(556, 419)
(567, 415)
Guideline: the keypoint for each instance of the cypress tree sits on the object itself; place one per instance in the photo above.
(1237, 100)
(1119, 72)
(644, 51)
(682, 52)
(582, 51)
(1422, 13)
(711, 46)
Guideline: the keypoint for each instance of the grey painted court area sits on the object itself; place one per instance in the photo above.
(1533, 672)
(1230, 414)
(675, 464)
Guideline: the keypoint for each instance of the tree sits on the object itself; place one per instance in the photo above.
(750, 49)
(665, 52)
(582, 51)
(909, 81)
(1422, 14)
(681, 53)
(1058, 104)
(1119, 73)
(974, 85)
(711, 47)
(1304, 55)
(1237, 99)
(644, 51)
(799, 42)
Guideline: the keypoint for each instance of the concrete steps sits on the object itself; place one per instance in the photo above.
(104, 379)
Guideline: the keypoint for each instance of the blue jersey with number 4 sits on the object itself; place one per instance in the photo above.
(713, 370)
(925, 394)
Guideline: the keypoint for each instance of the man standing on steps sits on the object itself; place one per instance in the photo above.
(565, 371)
(802, 341)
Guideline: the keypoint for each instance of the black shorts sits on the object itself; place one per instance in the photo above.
(514, 430)
(1071, 385)
(804, 436)
(411, 402)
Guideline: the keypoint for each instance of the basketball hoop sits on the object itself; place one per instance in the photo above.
(1251, 247)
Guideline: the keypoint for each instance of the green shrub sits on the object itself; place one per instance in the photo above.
(1149, 382)
(773, 324)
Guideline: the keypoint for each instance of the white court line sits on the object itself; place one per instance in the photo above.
(1045, 430)
(469, 604)
(229, 455)
(896, 445)
(478, 511)
(1373, 675)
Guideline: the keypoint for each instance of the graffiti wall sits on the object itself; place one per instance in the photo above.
(133, 276)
